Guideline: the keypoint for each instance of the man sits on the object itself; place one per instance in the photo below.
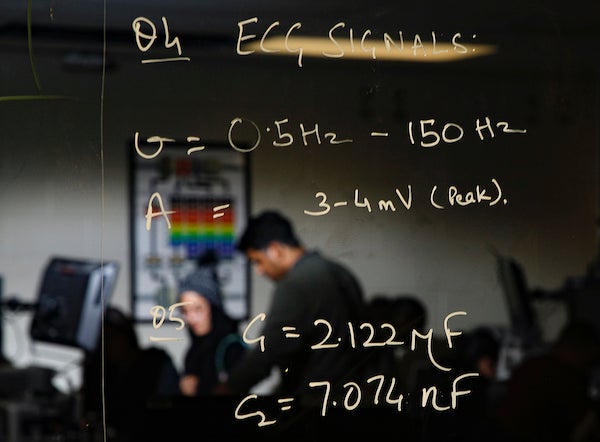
(306, 332)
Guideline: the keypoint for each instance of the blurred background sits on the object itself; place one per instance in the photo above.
(491, 99)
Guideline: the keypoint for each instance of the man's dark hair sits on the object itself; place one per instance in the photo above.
(266, 227)
(409, 313)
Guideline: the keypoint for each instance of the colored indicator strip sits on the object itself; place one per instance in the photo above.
(193, 250)
(182, 231)
(199, 242)
(194, 226)
(188, 237)
(200, 217)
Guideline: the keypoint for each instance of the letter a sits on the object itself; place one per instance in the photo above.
(151, 214)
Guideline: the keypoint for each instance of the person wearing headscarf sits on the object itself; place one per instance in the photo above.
(215, 343)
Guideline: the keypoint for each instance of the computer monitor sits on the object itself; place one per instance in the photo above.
(72, 296)
(518, 296)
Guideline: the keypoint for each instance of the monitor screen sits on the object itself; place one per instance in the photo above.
(71, 299)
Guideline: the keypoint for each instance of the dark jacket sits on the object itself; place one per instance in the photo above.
(212, 356)
(315, 289)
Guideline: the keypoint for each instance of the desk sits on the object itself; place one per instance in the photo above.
(36, 419)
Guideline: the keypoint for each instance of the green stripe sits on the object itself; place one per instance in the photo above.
(30, 45)
(34, 97)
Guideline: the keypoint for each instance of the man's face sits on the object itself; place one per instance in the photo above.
(268, 262)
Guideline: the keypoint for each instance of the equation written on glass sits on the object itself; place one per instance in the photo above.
(350, 335)
(364, 335)
(378, 390)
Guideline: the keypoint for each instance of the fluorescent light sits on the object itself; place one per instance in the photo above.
(369, 49)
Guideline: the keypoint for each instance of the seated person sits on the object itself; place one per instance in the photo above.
(547, 396)
(216, 345)
(474, 352)
(133, 376)
(403, 313)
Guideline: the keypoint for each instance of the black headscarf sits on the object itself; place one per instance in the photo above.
(210, 357)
